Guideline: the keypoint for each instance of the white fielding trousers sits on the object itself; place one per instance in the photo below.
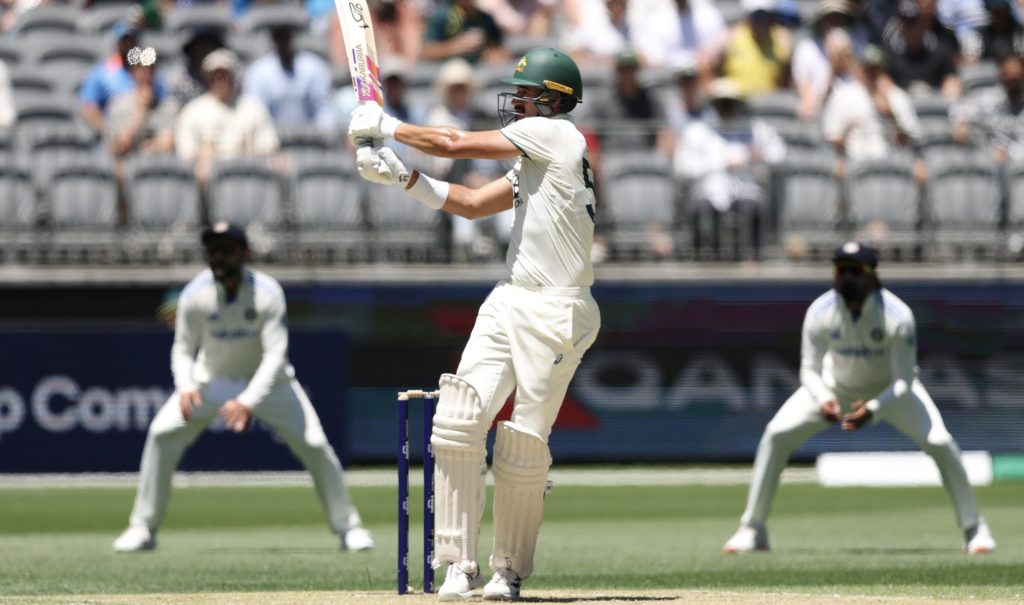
(914, 414)
(286, 410)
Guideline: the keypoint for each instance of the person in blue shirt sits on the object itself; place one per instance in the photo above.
(293, 84)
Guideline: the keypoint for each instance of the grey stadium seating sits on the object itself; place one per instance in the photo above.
(17, 208)
(247, 191)
(808, 199)
(76, 51)
(12, 51)
(402, 229)
(885, 191)
(327, 213)
(637, 191)
(199, 15)
(965, 208)
(263, 17)
(46, 20)
(100, 18)
(83, 213)
(163, 207)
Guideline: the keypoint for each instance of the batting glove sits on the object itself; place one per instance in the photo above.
(381, 166)
(369, 122)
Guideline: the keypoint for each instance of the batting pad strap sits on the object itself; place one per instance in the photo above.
(521, 463)
(458, 419)
(432, 193)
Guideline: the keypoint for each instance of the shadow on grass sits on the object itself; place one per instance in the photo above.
(597, 599)
(875, 551)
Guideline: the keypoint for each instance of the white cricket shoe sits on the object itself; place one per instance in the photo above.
(748, 539)
(357, 539)
(459, 582)
(504, 586)
(978, 539)
(134, 539)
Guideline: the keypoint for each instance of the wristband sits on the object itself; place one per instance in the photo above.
(388, 126)
(429, 192)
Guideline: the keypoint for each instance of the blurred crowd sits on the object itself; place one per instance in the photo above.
(714, 95)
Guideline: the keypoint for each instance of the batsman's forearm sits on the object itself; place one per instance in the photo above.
(436, 141)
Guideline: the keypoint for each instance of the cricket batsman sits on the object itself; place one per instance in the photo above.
(230, 357)
(533, 329)
(858, 364)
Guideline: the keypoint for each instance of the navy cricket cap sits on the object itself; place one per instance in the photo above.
(855, 253)
(227, 231)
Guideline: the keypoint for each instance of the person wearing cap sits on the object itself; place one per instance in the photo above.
(858, 366)
(532, 331)
(629, 117)
(230, 359)
(294, 85)
(139, 119)
(757, 57)
(220, 123)
(922, 54)
(724, 156)
(110, 77)
(811, 71)
(185, 78)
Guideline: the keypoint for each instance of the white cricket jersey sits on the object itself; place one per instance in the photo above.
(871, 357)
(245, 338)
(553, 188)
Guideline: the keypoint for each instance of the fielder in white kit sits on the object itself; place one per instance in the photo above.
(230, 357)
(532, 330)
(858, 364)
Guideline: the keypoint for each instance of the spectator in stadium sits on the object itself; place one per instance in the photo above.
(630, 116)
(858, 366)
(964, 17)
(459, 29)
(230, 360)
(522, 17)
(724, 158)
(922, 55)
(472, 240)
(7, 109)
(220, 123)
(995, 113)
(595, 29)
(693, 105)
(185, 78)
(12, 9)
(759, 50)
(684, 30)
(141, 120)
(862, 103)
(110, 77)
(1004, 34)
(812, 72)
(294, 85)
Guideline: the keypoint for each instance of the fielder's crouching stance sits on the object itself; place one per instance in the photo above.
(858, 356)
(234, 319)
(530, 333)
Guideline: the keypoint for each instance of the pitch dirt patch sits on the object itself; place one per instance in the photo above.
(598, 597)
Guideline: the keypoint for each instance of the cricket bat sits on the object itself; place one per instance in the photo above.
(357, 31)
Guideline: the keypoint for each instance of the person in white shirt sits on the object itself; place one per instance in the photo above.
(230, 358)
(858, 364)
(530, 333)
(689, 30)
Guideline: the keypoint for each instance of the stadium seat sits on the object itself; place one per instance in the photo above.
(263, 17)
(163, 207)
(52, 52)
(965, 208)
(247, 191)
(315, 44)
(776, 108)
(304, 142)
(808, 198)
(327, 213)
(100, 18)
(50, 146)
(47, 19)
(938, 145)
(883, 197)
(12, 51)
(932, 111)
(82, 213)
(30, 81)
(976, 76)
(401, 229)
(198, 15)
(167, 46)
(40, 113)
(17, 209)
(637, 193)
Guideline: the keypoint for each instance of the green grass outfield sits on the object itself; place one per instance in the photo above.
(827, 541)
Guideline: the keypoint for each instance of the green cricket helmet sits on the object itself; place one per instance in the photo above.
(548, 69)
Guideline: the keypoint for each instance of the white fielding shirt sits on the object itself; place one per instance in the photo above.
(872, 357)
(553, 189)
(244, 339)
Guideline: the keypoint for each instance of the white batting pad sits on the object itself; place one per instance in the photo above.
(521, 463)
(459, 470)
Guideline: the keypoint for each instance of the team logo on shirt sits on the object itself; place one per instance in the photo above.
(876, 334)
(521, 66)
(250, 314)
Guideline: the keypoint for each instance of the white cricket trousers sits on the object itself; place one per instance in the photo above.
(531, 340)
(914, 414)
(286, 410)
